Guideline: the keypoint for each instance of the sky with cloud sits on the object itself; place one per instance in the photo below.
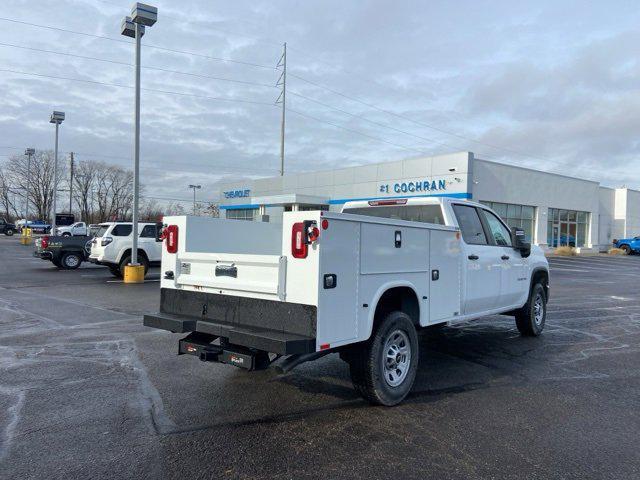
(552, 85)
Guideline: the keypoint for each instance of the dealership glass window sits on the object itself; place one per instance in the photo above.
(240, 213)
(521, 216)
(567, 228)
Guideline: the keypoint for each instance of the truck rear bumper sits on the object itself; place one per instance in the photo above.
(261, 339)
(272, 326)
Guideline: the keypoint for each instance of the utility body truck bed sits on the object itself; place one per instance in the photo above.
(355, 283)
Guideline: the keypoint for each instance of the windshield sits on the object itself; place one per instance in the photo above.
(102, 229)
(412, 213)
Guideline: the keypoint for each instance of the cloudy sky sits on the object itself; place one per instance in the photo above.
(553, 85)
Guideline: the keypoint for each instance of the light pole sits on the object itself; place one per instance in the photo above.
(195, 187)
(28, 152)
(141, 15)
(57, 118)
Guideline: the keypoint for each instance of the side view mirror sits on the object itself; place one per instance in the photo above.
(519, 243)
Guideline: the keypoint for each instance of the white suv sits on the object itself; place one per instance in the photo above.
(113, 241)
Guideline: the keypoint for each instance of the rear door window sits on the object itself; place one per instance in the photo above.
(121, 231)
(149, 231)
(470, 225)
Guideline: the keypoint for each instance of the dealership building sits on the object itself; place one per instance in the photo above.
(553, 209)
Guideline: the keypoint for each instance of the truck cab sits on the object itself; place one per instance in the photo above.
(76, 229)
(7, 228)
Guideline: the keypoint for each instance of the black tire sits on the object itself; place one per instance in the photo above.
(531, 318)
(71, 260)
(127, 260)
(66, 234)
(115, 271)
(369, 364)
(626, 249)
(9, 232)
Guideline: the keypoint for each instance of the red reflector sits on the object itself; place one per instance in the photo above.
(325, 346)
(325, 224)
(45, 242)
(298, 241)
(314, 233)
(379, 203)
(171, 236)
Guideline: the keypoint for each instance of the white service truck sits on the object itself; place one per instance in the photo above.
(361, 283)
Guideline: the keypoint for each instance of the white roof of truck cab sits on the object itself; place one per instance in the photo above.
(399, 202)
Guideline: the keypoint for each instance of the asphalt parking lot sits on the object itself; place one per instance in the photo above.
(87, 392)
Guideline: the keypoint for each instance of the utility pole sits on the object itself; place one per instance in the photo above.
(195, 187)
(28, 152)
(282, 100)
(71, 185)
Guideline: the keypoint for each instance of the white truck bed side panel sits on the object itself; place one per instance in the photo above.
(338, 307)
(446, 292)
(380, 254)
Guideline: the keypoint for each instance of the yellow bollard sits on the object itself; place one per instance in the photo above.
(134, 274)
(25, 238)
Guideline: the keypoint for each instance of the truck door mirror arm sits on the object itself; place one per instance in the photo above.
(519, 243)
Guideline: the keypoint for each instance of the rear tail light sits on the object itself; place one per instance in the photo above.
(302, 234)
(45, 242)
(106, 241)
(171, 235)
(298, 241)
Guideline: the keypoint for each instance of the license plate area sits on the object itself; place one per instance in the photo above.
(199, 345)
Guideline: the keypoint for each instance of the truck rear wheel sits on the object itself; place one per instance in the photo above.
(71, 261)
(626, 249)
(9, 232)
(530, 319)
(384, 368)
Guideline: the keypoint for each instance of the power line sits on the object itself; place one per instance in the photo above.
(156, 47)
(404, 117)
(153, 90)
(116, 62)
(355, 131)
(362, 117)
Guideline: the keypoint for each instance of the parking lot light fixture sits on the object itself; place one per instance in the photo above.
(133, 26)
(195, 187)
(56, 118)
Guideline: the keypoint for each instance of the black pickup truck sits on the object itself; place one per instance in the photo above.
(7, 228)
(64, 252)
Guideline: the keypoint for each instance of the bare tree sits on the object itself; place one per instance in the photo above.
(40, 191)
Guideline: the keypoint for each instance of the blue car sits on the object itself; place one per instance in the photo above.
(629, 245)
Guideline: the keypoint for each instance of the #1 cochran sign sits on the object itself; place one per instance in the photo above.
(412, 187)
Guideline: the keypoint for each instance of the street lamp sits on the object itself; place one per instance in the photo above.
(29, 152)
(141, 15)
(195, 187)
(57, 118)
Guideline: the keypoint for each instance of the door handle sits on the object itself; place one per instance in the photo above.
(505, 257)
(473, 257)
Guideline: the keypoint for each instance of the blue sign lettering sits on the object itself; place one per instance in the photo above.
(415, 186)
(237, 193)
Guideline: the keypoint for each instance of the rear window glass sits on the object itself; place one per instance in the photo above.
(121, 231)
(102, 229)
(412, 213)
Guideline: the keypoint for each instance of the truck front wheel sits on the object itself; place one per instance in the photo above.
(530, 319)
(384, 368)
